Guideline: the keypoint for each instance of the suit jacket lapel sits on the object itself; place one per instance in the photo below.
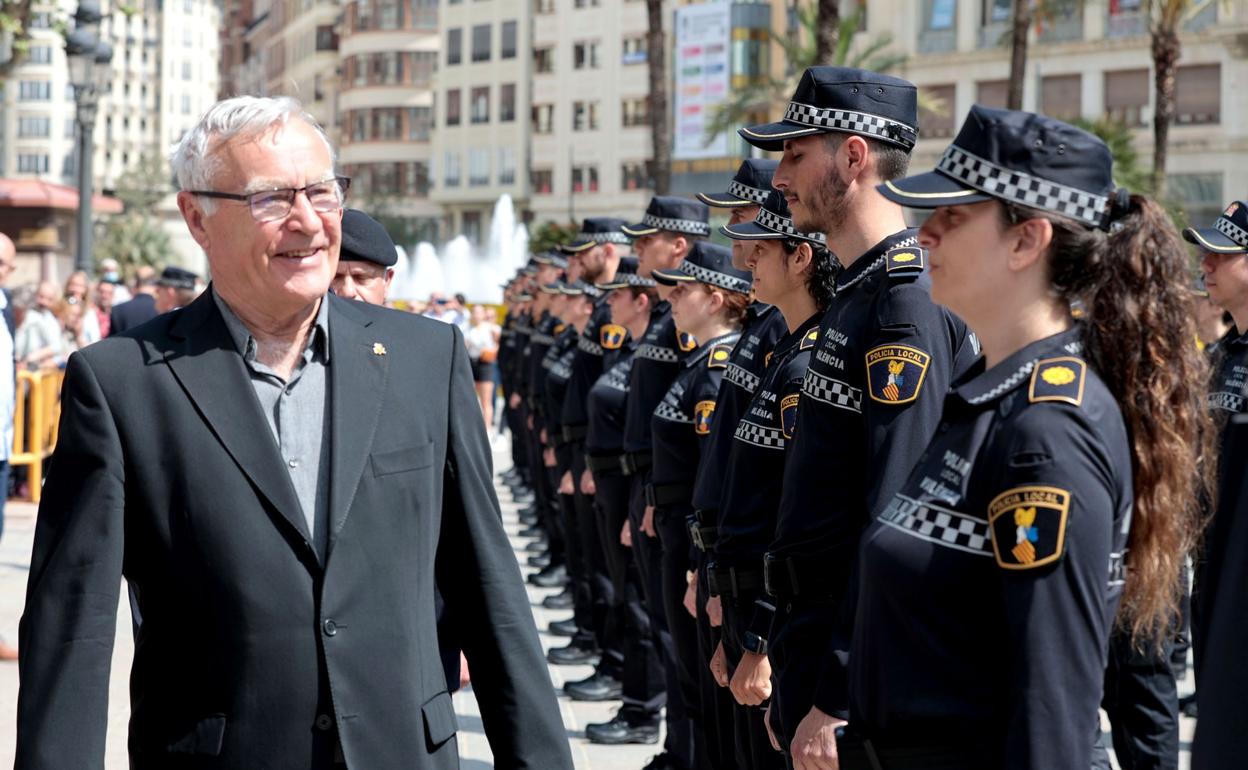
(215, 378)
(358, 375)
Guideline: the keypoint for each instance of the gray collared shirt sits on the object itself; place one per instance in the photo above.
(297, 411)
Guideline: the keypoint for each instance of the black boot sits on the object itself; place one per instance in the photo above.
(628, 726)
(598, 687)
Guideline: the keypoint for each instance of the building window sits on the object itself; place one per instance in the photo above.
(996, 11)
(992, 93)
(543, 118)
(478, 167)
(71, 129)
(452, 107)
(326, 39)
(1061, 96)
(634, 50)
(543, 6)
(34, 91)
(1200, 195)
(507, 103)
(584, 179)
(358, 121)
(186, 70)
(506, 165)
(584, 116)
(34, 126)
(633, 176)
(1065, 22)
(186, 104)
(424, 14)
(544, 60)
(1126, 97)
(635, 112)
(507, 48)
(481, 42)
(479, 104)
(1198, 95)
(387, 124)
(389, 16)
(41, 20)
(363, 15)
(472, 226)
(938, 122)
(939, 31)
(419, 123)
(542, 181)
(450, 170)
(416, 178)
(39, 54)
(454, 46)
(585, 55)
(586, 3)
(32, 163)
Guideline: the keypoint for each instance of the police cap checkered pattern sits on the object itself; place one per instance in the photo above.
(708, 263)
(1229, 234)
(669, 213)
(772, 222)
(749, 187)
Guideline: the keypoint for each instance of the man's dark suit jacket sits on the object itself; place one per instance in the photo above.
(132, 313)
(252, 652)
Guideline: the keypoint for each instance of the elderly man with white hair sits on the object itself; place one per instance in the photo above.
(255, 465)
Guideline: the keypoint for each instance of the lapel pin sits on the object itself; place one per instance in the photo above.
(379, 349)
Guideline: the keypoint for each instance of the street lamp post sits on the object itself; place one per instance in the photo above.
(89, 60)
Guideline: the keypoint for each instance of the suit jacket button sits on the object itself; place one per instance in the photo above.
(324, 722)
(330, 627)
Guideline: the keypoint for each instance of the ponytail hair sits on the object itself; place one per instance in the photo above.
(1139, 336)
(821, 275)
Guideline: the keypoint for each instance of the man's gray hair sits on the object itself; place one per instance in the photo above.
(194, 162)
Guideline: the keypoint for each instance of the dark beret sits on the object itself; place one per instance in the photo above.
(365, 240)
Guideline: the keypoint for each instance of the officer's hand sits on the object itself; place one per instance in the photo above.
(691, 594)
(543, 436)
(587, 483)
(714, 612)
(529, 420)
(565, 484)
(548, 458)
(719, 666)
(626, 535)
(751, 682)
(771, 734)
(814, 743)
(647, 522)
(514, 401)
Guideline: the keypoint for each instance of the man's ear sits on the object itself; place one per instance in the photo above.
(194, 217)
(853, 158)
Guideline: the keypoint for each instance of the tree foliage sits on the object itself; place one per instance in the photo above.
(548, 235)
(135, 237)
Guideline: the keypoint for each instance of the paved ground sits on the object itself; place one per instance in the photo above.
(474, 750)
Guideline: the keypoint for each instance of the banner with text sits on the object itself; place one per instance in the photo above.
(703, 57)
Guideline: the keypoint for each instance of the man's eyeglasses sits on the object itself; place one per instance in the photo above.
(270, 205)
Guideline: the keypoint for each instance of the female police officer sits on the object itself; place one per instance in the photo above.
(794, 272)
(1063, 477)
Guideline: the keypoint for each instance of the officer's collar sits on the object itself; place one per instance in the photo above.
(978, 386)
(873, 259)
(791, 339)
(756, 310)
(1233, 337)
(660, 307)
(704, 348)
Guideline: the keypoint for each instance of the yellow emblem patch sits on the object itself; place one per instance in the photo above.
(702, 414)
(1028, 526)
(611, 336)
(686, 341)
(559, 328)
(1058, 379)
(809, 340)
(895, 373)
(379, 349)
(906, 258)
(718, 359)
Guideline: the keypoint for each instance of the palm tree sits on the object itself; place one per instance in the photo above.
(14, 33)
(1020, 25)
(660, 139)
(827, 30)
(1163, 28)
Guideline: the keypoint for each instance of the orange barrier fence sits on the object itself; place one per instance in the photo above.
(36, 420)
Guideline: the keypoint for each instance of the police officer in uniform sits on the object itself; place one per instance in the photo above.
(855, 439)
(709, 300)
(991, 580)
(511, 340)
(795, 273)
(762, 327)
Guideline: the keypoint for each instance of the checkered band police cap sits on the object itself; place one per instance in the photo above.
(1017, 157)
(846, 100)
(749, 187)
(772, 222)
(668, 213)
(626, 275)
(579, 288)
(1229, 234)
(711, 264)
(595, 231)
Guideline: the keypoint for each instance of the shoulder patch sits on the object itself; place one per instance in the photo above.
(809, 340)
(788, 414)
(895, 373)
(718, 359)
(686, 341)
(703, 411)
(611, 336)
(1058, 379)
(1028, 526)
(559, 328)
(904, 262)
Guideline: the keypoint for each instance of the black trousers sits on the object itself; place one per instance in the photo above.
(642, 678)
(718, 706)
(753, 747)
(519, 445)
(544, 499)
(600, 590)
(801, 638)
(648, 553)
(578, 572)
(1141, 699)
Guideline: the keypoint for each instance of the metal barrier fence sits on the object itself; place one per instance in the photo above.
(36, 420)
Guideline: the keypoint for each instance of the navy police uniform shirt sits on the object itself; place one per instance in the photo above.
(659, 356)
(871, 398)
(1230, 383)
(681, 422)
(540, 342)
(559, 371)
(990, 580)
(764, 326)
(599, 343)
(606, 406)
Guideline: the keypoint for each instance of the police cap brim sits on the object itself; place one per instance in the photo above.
(638, 230)
(772, 136)
(929, 191)
(751, 231)
(1212, 240)
(671, 277)
(724, 200)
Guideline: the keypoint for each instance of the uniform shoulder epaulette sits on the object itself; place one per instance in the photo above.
(718, 358)
(904, 263)
(1058, 379)
(559, 328)
(809, 340)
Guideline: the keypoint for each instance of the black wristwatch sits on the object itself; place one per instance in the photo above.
(754, 643)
